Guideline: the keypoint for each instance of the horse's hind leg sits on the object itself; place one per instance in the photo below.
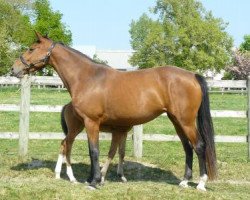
(118, 139)
(72, 126)
(122, 146)
(199, 146)
(111, 154)
(188, 153)
(64, 156)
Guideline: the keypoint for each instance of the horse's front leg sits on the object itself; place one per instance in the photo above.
(92, 129)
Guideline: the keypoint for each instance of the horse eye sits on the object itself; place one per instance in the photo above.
(31, 49)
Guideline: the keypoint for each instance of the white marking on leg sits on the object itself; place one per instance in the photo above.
(105, 169)
(124, 180)
(202, 182)
(71, 174)
(120, 171)
(184, 184)
(59, 166)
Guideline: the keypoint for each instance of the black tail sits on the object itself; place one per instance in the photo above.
(63, 122)
(206, 129)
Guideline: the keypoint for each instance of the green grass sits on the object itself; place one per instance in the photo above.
(11, 95)
(155, 176)
(228, 101)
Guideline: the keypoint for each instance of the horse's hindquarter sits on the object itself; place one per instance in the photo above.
(143, 95)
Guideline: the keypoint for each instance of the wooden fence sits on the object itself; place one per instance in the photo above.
(25, 108)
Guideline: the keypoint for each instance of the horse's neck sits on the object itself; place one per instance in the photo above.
(70, 66)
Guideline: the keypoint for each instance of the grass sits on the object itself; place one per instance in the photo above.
(11, 95)
(228, 101)
(155, 176)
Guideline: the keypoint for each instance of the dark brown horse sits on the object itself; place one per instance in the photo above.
(102, 96)
(72, 125)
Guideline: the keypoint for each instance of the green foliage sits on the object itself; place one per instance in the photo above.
(15, 32)
(100, 61)
(19, 19)
(50, 22)
(245, 46)
(184, 34)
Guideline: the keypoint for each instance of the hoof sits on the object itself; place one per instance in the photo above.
(89, 187)
(74, 181)
(58, 176)
(124, 180)
(87, 183)
(184, 184)
(201, 188)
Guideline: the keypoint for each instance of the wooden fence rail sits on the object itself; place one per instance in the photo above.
(24, 108)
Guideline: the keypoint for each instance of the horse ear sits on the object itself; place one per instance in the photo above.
(39, 36)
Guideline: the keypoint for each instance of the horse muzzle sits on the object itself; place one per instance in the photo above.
(18, 72)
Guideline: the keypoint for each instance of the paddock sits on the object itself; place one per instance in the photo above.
(143, 171)
(25, 108)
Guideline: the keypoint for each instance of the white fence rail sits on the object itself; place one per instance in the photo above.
(227, 84)
(39, 81)
(138, 130)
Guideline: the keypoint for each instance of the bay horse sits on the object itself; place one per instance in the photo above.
(102, 96)
(72, 125)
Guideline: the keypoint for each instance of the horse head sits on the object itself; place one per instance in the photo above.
(35, 58)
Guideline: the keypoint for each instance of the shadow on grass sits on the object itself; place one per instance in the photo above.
(133, 171)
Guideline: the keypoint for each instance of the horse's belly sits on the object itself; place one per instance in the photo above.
(130, 119)
(135, 110)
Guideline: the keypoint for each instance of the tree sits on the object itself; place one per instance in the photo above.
(240, 69)
(183, 34)
(245, 46)
(15, 32)
(49, 22)
(99, 60)
(19, 19)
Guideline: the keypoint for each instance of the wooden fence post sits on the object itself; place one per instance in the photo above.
(137, 138)
(248, 115)
(24, 118)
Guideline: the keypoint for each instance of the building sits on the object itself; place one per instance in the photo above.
(117, 59)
